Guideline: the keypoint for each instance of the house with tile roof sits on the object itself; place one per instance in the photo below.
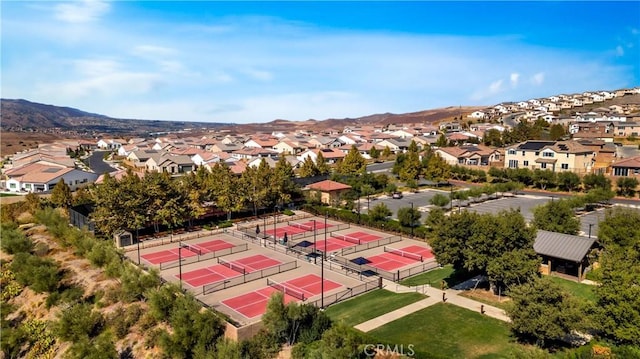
(469, 155)
(40, 177)
(627, 167)
(557, 156)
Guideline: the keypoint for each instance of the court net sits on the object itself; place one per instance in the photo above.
(301, 226)
(193, 248)
(286, 289)
(234, 266)
(346, 238)
(401, 253)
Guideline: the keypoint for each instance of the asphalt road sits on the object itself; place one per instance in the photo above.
(97, 163)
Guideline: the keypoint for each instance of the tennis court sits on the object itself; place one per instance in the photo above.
(332, 244)
(185, 250)
(226, 269)
(294, 228)
(254, 303)
(421, 251)
(355, 237)
(393, 259)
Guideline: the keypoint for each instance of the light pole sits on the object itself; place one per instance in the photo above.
(138, 242)
(324, 251)
(264, 227)
(314, 243)
(590, 225)
(180, 263)
(411, 219)
(275, 217)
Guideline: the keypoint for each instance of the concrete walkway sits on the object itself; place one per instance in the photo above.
(435, 296)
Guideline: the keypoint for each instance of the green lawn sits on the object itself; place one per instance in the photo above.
(435, 276)
(448, 331)
(370, 305)
(7, 195)
(583, 291)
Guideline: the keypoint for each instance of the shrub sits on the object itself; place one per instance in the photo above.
(79, 322)
(41, 275)
(14, 241)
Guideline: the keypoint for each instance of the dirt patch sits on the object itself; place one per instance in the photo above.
(14, 142)
(486, 296)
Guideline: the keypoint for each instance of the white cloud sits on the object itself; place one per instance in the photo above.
(514, 77)
(81, 11)
(241, 71)
(537, 79)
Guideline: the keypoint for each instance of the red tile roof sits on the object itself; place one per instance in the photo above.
(328, 186)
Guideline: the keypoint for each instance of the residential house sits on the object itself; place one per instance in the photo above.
(330, 155)
(450, 127)
(288, 147)
(626, 129)
(402, 133)
(628, 167)
(222, 146)
(325, 142)
(252, 152)
(110, 143)
(174, 165)
(396, 145)
(556, 156)
(469, 155)
(40, 177)
(266, 143)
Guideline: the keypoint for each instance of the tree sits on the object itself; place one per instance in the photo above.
(386, 153)
(592, 181)
(440, 200)
(627, 186)
(544, 178)
(474, 242)
(492, 137)
(374, 152)
(556, 132)
(568, 181)
(353, 162)
(379, 212)
(556, 216)
(541, 311)
(308, 168)
(618, 295)
(409, 217)
(442, 141)
(434, 167)
(321, 164)
(61, 195)
(340, 342)
(79, 322)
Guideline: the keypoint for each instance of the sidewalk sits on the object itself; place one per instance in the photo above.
(435, 296)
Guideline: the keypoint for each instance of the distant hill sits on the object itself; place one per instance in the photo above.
(26, 116)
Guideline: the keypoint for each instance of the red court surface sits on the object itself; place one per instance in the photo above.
(390, 261)
(424, 252)
(174, 254)
(364, 237)
(333, 244)
(295, 229)
(254, 303)
(212, 274)
(220, 272)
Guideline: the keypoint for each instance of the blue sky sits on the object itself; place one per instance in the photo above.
(251, 62)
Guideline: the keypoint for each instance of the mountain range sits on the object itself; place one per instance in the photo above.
(25, 116)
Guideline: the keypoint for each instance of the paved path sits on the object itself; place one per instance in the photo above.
(435, 296)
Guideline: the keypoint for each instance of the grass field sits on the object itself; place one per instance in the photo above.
(583, 291)
(434, 277)
(370, 305)
(448, 331)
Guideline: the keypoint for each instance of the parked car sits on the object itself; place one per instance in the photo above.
(396, 195)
